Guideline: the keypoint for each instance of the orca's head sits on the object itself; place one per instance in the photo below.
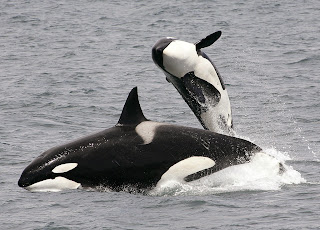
(47, 174)
(196, 78)
(176, 58)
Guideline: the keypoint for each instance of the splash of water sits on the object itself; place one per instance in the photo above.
(261, 173)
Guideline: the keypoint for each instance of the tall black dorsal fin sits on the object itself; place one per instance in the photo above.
(208, 41)
(131, 112)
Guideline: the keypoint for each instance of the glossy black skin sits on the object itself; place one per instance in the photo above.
(117, 157)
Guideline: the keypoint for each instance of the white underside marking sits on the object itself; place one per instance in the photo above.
(64, 167)
(146, 130)
(181, 57)
(186, 167)
(212, 117)
(53, 185)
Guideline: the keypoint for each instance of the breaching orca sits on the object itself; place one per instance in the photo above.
(198, 81)
(137, 153)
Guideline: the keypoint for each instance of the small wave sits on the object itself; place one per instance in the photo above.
(312, 59)
(261, 174)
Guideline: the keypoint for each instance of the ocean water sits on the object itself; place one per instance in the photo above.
(66, 68)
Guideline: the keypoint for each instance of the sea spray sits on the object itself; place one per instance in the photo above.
(260, 174)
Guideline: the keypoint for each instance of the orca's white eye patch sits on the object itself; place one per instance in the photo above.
(64, 167)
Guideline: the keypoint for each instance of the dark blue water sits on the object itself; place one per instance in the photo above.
(66, 68)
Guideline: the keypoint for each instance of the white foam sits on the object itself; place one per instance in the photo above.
(262, 173)
(53, 185)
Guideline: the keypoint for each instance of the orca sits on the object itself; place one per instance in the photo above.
(135, 153)
(197, 79)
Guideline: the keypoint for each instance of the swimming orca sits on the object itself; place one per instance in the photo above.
(197, 79)
(136, 153)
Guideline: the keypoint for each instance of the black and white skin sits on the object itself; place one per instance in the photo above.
(197, 79)
(140, 154)
(136, 152)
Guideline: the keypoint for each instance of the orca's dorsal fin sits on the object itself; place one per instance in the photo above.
(208, 41)
(131, 112)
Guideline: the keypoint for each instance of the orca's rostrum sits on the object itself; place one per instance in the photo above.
(137, 153)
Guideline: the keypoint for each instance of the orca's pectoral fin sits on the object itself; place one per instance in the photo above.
(208, 41)
(191, 101)
(204, 92)
(197, 93)
(131, 112)
(200, 174)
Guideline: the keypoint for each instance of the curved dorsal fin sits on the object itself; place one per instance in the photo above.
(131, 112)
(208, 41)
